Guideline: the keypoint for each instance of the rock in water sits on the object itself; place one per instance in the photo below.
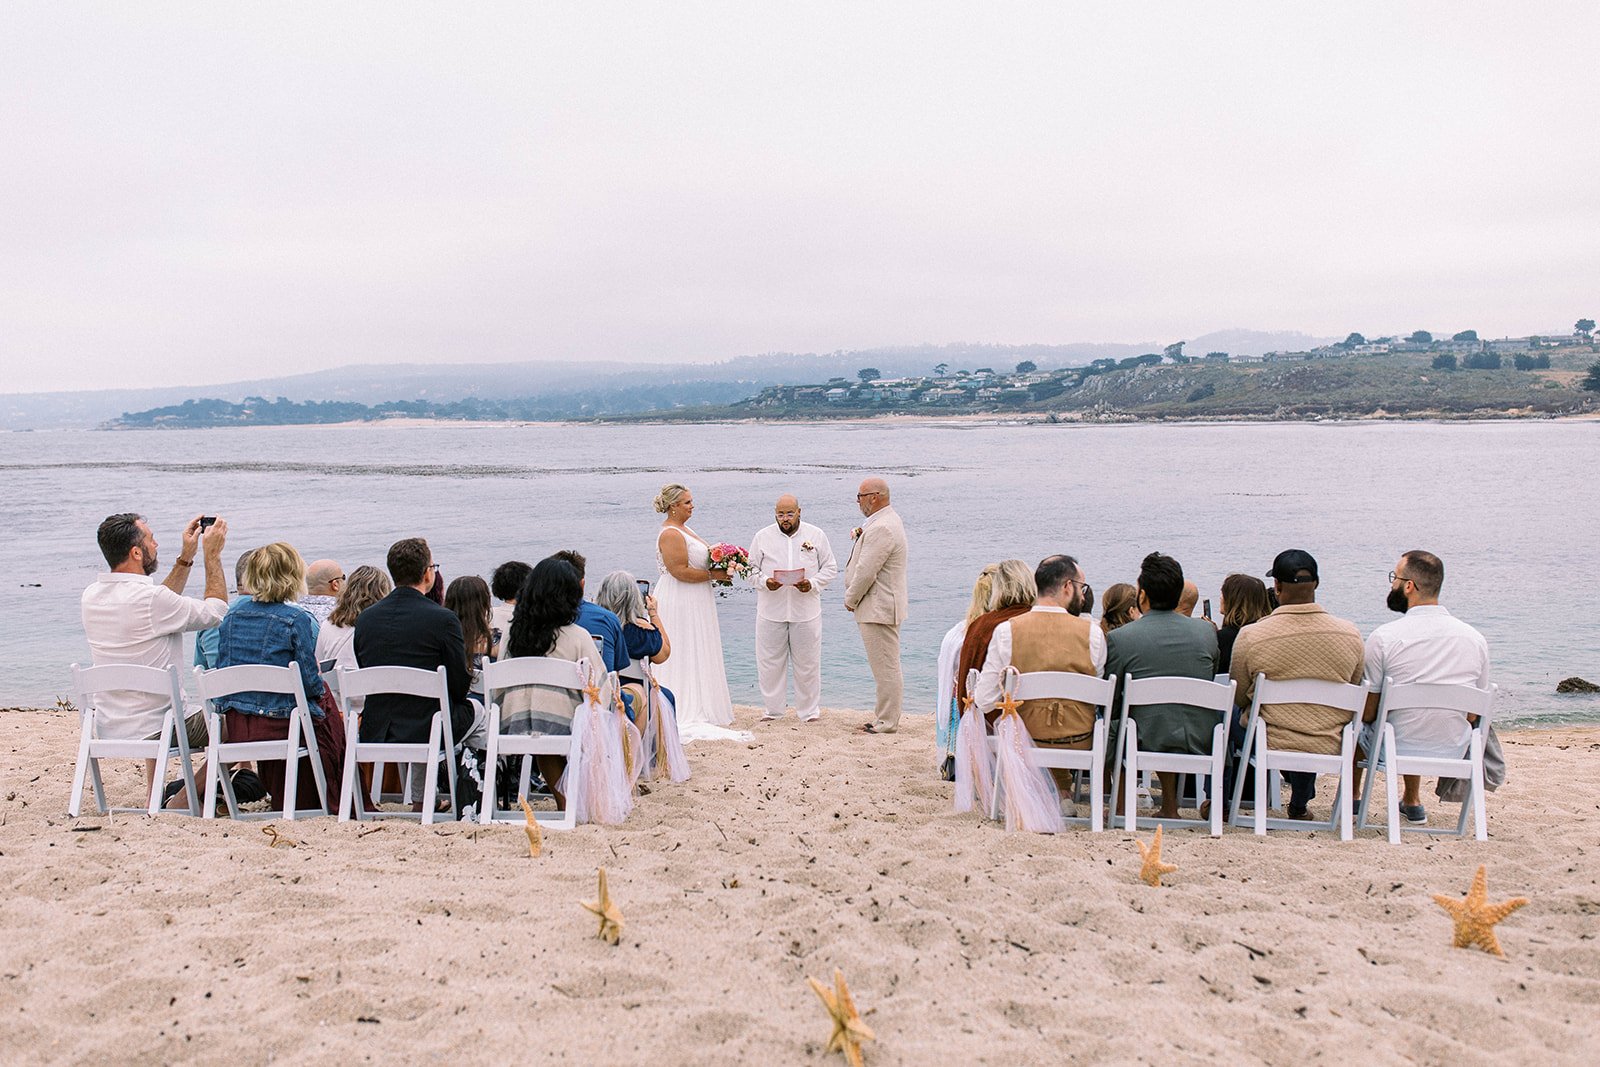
(1576, 685)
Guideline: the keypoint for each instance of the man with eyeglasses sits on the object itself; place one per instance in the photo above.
(876, 594)
(793, 563)
(324, 579)
(1425, 645)
(1299, 640)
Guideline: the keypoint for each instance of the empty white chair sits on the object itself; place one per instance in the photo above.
(508, 674)
(1463, 759)
(1216, 697)
(1084, 688)
(215, 686)
(1339, 696)
(357, 684)
(89, 682)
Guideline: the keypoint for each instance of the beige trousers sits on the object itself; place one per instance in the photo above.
(883, 656)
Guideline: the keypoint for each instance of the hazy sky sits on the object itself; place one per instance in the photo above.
(194, 193)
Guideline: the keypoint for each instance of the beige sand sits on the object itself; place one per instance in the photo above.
(138, 940)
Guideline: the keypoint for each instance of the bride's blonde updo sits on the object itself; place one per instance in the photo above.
(669, 495)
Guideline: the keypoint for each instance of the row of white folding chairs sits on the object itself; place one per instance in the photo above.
(1217, 696)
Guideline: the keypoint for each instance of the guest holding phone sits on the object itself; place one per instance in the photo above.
(643, 636)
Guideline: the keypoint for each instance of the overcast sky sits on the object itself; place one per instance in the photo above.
(196, 193)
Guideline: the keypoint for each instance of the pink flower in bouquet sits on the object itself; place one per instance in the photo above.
(731, 560)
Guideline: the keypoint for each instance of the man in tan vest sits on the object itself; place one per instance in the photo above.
(1053, 636)
(876, 593)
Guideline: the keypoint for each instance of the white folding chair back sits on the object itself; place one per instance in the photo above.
(87, 684)
(1339, 696)
(1087, 689)
(1463, 760)
(1206, 696)
(355, 685)
(508, 674)
(216, 686)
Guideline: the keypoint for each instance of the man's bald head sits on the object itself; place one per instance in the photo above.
(1190, 597)
(324, 577)
(787, 512)
(873, 495)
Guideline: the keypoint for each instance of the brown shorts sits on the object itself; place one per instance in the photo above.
(195, 727)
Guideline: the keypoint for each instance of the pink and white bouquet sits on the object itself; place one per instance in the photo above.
(732, 560)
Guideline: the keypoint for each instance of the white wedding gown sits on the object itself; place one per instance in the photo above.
(694, 672)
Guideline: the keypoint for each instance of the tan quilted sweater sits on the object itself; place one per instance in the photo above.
(1298, 641)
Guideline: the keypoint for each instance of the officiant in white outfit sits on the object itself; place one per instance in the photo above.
(792, 563)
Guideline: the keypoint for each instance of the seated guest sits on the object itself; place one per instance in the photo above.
(1118, 607)
(1053, 636)
(1244, 601)
(504, 583)
(1298, 640)
(947, 710)
(271, 629)
(130, 619)
(323, 579)
(406, 629)
(546, 624)
(205, 642)
(1164, 643)
(468, 597)
(1189, 598)
(336, 639)
(598, 621)
(1425, 645)
(1011, 594)
(643, 636)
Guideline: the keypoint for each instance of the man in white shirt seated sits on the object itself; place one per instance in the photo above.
(324, 579)
(128, 618)
(1055, 635)
(1425, 645)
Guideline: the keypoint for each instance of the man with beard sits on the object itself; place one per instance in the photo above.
(792, 563)
(1425, 645)
(129, 618)
(1055, 635)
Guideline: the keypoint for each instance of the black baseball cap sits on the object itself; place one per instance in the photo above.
(1293, 567)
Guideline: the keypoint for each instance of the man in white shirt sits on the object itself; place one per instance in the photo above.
(128, 618)
(792, 563)
(1425, 645)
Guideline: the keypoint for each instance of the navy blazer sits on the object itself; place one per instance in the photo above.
(406, 629)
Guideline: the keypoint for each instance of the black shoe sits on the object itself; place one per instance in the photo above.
(248, 787)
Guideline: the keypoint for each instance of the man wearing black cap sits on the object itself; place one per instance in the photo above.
(1298, 641)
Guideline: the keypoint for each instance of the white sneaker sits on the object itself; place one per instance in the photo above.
(811, 718)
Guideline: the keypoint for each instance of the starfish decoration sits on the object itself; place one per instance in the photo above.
(1475, 917)
(535, 838)
(1008, 703)
(592, 691)
(848, 1029)
(1153, 868)
(606, 909)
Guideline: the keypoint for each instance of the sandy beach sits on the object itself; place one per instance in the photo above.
(131, 940)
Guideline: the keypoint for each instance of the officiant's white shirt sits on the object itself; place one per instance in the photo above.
(773, 550)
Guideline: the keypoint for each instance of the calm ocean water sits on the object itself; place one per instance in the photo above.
(1509, 506)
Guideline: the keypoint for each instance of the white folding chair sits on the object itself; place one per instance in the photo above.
(1087, 689)
(508, 674)
(88, 683)
(1339, 696)
(215, 686)
(1464, 759)
(1274, 784)
(356, 684)
(1216, 697)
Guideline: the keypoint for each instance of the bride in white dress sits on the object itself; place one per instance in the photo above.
(694, 672)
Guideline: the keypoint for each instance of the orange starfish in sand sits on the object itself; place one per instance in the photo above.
(535, 837)
(1153, 868)
(606, 908)
(848, 1029)
(1475, 917)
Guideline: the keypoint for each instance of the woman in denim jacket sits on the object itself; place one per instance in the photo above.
(273, 630)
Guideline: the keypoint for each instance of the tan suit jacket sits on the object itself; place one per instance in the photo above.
(875, 578)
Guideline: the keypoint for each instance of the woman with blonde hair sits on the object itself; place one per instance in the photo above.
(272, 629)
(1119, 606)
(947, 712)
(1012, 593)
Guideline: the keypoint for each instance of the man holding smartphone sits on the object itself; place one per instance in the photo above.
(791, 563)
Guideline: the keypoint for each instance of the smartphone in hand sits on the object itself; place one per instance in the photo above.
(1205, 608)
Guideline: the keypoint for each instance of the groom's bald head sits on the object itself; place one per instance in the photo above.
(787, 512)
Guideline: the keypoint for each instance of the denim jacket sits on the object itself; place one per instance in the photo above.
(275, 635)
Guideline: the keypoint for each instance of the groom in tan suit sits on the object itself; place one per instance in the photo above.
(875, 591)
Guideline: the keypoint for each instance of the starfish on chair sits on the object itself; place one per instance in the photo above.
(1475, 917)
(606, 908)
(848, 1029)
(1153, 868)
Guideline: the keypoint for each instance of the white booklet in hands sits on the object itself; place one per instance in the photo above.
(794, 577)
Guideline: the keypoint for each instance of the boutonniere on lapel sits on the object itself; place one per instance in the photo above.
(807, 546)
(855, 535)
